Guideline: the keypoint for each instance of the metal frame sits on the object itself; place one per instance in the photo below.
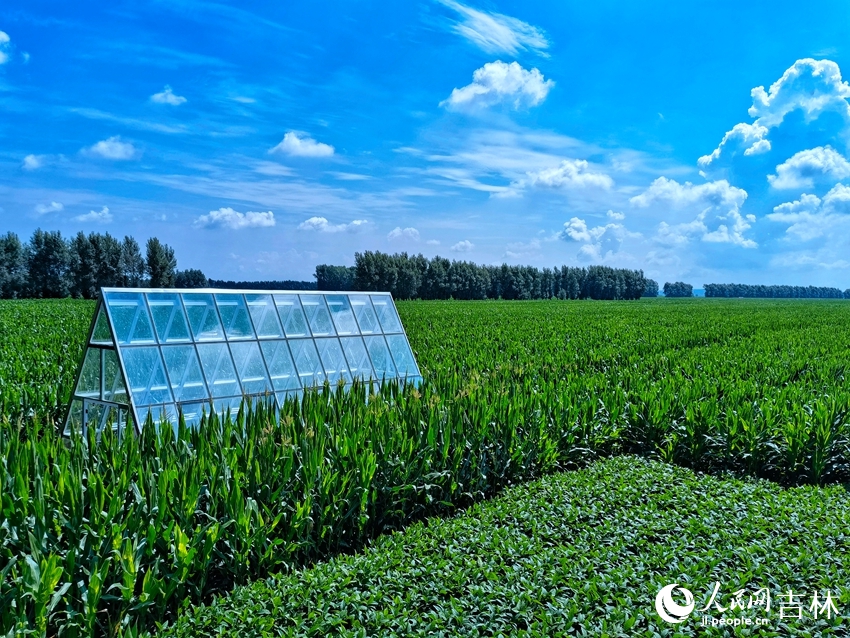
(133, 410)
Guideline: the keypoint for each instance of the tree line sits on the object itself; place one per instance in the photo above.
(417, 277)
(48, 265)
(774, 292)
(286, 284)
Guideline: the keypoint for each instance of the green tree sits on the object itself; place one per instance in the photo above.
(132, 264)
(13, 269)
(48, 261)
(191, 278)
(161, 264)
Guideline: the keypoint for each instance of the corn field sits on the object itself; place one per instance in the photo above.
(116, 536)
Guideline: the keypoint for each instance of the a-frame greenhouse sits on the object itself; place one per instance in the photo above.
(166, 353)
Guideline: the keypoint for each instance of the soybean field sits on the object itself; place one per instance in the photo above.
(122, 536)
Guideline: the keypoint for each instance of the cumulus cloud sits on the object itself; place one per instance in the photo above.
(112, 148)
(753, 137)
(403, 233)
(302, 145)
(804, 167)
(4, 47)
(167, 96)
(322, 225)
(718, 204)
(811, 217)
(234, 220)
(52, 207)
(463, 246)
(33, 162)
(571, 173)
(599, 241)
(811, 86)
(496, 33)
(97, 217)
(497, 82)
(617, 216)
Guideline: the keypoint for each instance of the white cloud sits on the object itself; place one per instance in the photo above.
(718, 204)
(322, 225)
(112, 148)
(167, 96)
(302, 145)
(52, 207)
(497, 82)
(229, 218)
(33, 162)
(496, 33)
(811, 86)
(4, 47)
(751, 136)
(617, 216)
(801, 170)
(463, 246)
(433, 242)
(570, 173)
(102, 217)
(599, 242)
(403, 233)
(811, 217)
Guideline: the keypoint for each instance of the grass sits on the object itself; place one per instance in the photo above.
(576, 553)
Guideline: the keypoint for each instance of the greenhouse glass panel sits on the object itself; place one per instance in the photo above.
(292, 316)
(234, 316)
(382, 363)
(101, 334)
(168, 317)
(307, 362)
(280, 366)
(170, 354)
(184, 372)
(146, 376)
(264, 316)
(251, 368)
(317, 315)
(130, 320)
(357, 357)
(342, 315)
(114, 389)
(385, 309)
(333, 360)
(402, 356)
(219, 369)
(203, 317)
(365, 313)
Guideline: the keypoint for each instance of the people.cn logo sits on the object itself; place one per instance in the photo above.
(670, 610)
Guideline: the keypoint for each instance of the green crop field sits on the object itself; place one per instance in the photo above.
(113, 537)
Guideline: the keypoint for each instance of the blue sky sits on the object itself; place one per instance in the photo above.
(706, 142)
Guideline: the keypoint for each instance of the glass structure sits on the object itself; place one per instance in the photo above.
(167, 353)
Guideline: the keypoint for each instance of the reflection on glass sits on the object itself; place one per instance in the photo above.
(382, 363)
(130, 319)
(264, 316)
(219, 370)
(365, 313)
(385, 309)
(203, 317)
(168, 318)
(292, 315)
(234, 316)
